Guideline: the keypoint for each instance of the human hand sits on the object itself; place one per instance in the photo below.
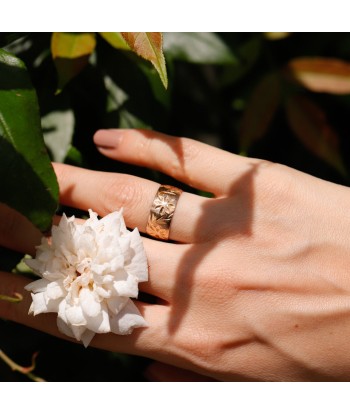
(256, 286)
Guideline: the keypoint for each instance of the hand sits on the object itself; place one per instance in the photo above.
(257, 285)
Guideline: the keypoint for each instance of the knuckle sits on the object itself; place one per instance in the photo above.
(119, 193)
(181, 162)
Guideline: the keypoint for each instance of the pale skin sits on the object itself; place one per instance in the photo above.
(257, 283)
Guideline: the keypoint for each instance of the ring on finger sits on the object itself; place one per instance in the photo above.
(162, 211)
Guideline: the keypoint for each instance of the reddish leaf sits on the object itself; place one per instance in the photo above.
(320, 74)
(149, 46)
(309, 123)
(260, 110)
(71, 52)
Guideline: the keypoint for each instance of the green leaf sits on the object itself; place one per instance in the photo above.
(74, 157)
(28, 181)
(260, 110)
(202, 48)
(58, 128)
(149, 46)
(115, 39)
(309, 123)
(71, 53)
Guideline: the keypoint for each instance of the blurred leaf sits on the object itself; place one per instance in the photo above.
(260, 110)
(276, 35)
(7, 38)
(115, 39)
(320, 74)
(128, 120)
(149, 45)
(247, 55)
(33, 188)
(116, 96)
(203, 48)
(309, 123)
(74, 157)
(71, 53)
(58, 128)
(160, 94)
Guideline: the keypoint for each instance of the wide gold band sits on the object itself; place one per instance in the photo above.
(162, 212)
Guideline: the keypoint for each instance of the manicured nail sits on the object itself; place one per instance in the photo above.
(107, 138)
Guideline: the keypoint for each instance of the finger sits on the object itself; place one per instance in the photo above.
(107, 192)
(150, 341)
(17, 232)
(163, 273)
(161, 372)
(196, 164)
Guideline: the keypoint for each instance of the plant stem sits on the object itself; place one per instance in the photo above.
(15, 299)
(27, 371)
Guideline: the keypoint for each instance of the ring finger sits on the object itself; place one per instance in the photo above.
(107, 192)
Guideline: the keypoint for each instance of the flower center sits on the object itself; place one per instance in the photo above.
(79, 276)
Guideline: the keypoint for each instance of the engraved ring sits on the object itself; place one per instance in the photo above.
(162, 211)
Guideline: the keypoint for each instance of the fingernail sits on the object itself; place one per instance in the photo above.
(107, 138)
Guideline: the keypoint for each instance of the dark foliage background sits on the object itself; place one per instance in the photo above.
(214, 97)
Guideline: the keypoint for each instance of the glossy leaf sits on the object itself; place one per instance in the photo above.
(260, 110)
(309, 123)
(149, 46)
(320, 74)
(115, 39)
(202, 48)
(33, 188)
(71, 53)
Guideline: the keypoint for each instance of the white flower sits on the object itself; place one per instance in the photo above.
(89, 272)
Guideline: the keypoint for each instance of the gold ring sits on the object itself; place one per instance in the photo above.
(162, 212)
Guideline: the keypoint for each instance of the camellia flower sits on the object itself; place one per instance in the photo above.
(89, 272)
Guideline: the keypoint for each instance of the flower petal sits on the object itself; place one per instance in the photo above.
(39, 304)
(78, 331)
(100, 323)
(128, 287)
(88, 301)
(115, 304)
(35, 265)
(86, 337)
(75, 316)
(64, 328)
(127, 320)
(136, 258)
(37, 286)
(53, 305)
(55, 290)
